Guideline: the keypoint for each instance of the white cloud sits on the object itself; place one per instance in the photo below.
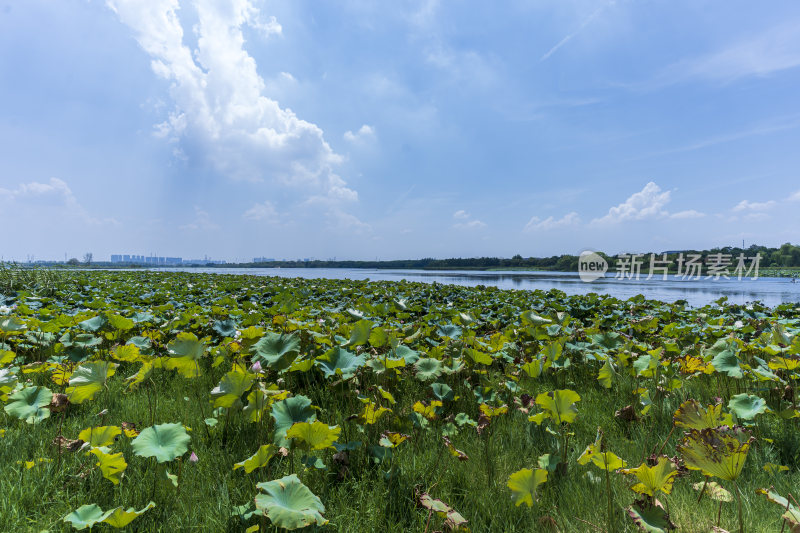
(201, 222)
(221, 115)
(772, 51)
(345, 221)
(54, 194)
(647, 203)
(746, 205)
(472, 224)
(535, 223)
(795, 197)
(466, 221)
(588, 20)
(689, 213)
(262, 211)
(364, 134)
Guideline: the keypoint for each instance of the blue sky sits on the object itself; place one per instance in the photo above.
(361, 129)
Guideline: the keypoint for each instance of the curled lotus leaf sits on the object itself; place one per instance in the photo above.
(87, 380)
(289, 504)
(112, 465)
(184, 353)
(339, 362)
(524, 485)
(791, 512)
(559, 405)
(692, 415)
(747, 406)
(314, 435)
(288, 412)
(650, 516)
(653, 479)
(276, 350)
(258, 459)
(100, 435)
(719, 452)
(715, 491)
(232, 387)
(30, 404)
(165, 442)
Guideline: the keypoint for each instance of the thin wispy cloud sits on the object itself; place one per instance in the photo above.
(771, 51)
(583, 25)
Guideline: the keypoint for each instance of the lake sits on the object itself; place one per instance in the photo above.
(770, 291)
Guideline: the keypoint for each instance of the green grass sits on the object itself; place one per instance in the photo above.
(368, 496)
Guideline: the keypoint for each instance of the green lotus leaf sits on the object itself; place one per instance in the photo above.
(653, 479)
(276, 350)
(87, 380)
(409, 356)
(93, 324)
(692, 415)
(791, 512)
(449, 331)
(603, 459)
(287, 413)
(30, 404)
(725, 360)
(12, 325)
(86, 340)
(651, 518)
(165, 442)
(118, 518)
(338, 361)
(715, 491)
(559, 405)
(524, 484)
(86, 516)
(719, 452)
(747, 406)
(531, 318)
(359, 334)
(112, 465)
(120, 323)
(231, 388)
(289, 504)
(100, 435)
(225, 328)
(428, 369)
(314, 435)
(606, 374)
(184, 353)
(258, 459)
(442, 392)
(8, 380)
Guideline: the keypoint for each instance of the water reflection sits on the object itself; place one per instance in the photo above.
(771, 291)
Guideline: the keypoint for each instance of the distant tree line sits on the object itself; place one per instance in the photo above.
(788, 255)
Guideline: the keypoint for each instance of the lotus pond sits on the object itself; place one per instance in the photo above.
(185, 401)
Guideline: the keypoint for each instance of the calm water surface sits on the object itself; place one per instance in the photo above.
(771, 291)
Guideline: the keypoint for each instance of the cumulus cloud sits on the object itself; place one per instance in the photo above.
(535, 223)
(364, 134)
(689, 213)
(221, 115)
(262, 211)
(465, 221)
(53, 194)
(647, 203)
(795, 197)
(746, 205)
